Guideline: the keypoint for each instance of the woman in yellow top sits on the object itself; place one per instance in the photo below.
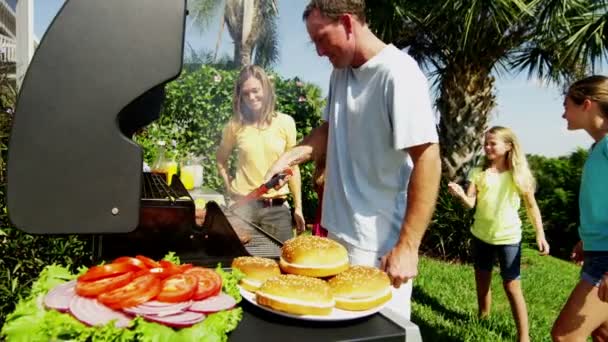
(260, 135)
(495, 191)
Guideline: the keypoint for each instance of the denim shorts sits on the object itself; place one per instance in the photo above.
(594, 267)
(509, 257)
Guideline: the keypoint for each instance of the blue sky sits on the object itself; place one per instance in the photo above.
(531, 110)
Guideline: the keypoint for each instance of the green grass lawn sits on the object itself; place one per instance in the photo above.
(444, 303)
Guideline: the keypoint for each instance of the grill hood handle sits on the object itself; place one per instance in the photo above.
(97, 76)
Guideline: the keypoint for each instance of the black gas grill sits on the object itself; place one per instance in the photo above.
(166, 224)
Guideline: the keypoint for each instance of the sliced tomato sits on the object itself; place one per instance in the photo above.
(162, 273)
(172, 268)
(129, 260)
(96, 287)
(139, 290)
(209, 282)
(185, 267)
(108, 270)
(147, 261)
(178, 288)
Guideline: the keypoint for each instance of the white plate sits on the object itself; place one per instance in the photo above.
(336, 314)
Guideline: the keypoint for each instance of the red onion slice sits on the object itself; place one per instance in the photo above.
(181, 320)
(158, 308)
(213, 304)
(91, 312)
(156, 304)
(60, 296)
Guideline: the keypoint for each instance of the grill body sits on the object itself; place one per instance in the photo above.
(166, 224)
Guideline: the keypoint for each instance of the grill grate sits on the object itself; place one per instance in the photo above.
(259, 245)
(155, 187)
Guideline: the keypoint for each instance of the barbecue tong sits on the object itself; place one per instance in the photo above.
(260, 191)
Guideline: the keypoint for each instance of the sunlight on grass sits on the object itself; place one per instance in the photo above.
(445, 305)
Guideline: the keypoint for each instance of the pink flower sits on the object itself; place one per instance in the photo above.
(299, 84)
(301, 99)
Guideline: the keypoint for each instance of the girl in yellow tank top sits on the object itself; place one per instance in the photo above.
(494, 191)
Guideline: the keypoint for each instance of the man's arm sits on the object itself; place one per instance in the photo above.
(295, 187)
(421, 193)
(313, 144)
(401, 263)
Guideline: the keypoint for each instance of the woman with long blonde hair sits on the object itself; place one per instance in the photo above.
(260, 134)
(495, 191)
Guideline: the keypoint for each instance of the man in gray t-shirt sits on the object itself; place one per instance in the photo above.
(379, 134)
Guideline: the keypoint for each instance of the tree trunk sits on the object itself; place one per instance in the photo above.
(218, 42)
(465, 102)
(238, 61)
(245, 56)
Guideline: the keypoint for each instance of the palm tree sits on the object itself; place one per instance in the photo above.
(464, 43)
(252, 24)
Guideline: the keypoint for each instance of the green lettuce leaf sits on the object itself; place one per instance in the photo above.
(172, 257)
(31, 322)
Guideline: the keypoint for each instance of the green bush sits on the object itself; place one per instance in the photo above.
(448, 236)
(558, 182)
(199, 104)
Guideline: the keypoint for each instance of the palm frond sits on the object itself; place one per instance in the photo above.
(588, 41)
(234, 19)
(267, 45)
(202, 12)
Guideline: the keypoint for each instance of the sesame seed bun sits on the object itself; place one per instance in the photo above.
(257, 270)
(313, 256)
(298, 295)
(360, 288)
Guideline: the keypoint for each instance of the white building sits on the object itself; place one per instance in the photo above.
(8, 35)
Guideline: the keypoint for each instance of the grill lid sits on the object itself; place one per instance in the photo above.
(97, 75)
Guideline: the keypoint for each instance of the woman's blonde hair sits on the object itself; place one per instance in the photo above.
(242, 114)
(516, 159)
(594, 88)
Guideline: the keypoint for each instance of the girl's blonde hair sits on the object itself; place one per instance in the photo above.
(242, 114)
(516, 159)
(594, 88)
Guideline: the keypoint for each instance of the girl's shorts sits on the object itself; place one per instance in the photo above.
(594, 267)
(509, 257)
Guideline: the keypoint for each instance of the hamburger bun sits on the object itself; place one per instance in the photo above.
(257, 270)
(360, 288)
(295, 294)
(313, 256)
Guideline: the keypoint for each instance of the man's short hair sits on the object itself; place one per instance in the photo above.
(333, 9)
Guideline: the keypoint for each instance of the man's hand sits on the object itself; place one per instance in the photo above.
(276, 169)
(300, 223)
(401, 264)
